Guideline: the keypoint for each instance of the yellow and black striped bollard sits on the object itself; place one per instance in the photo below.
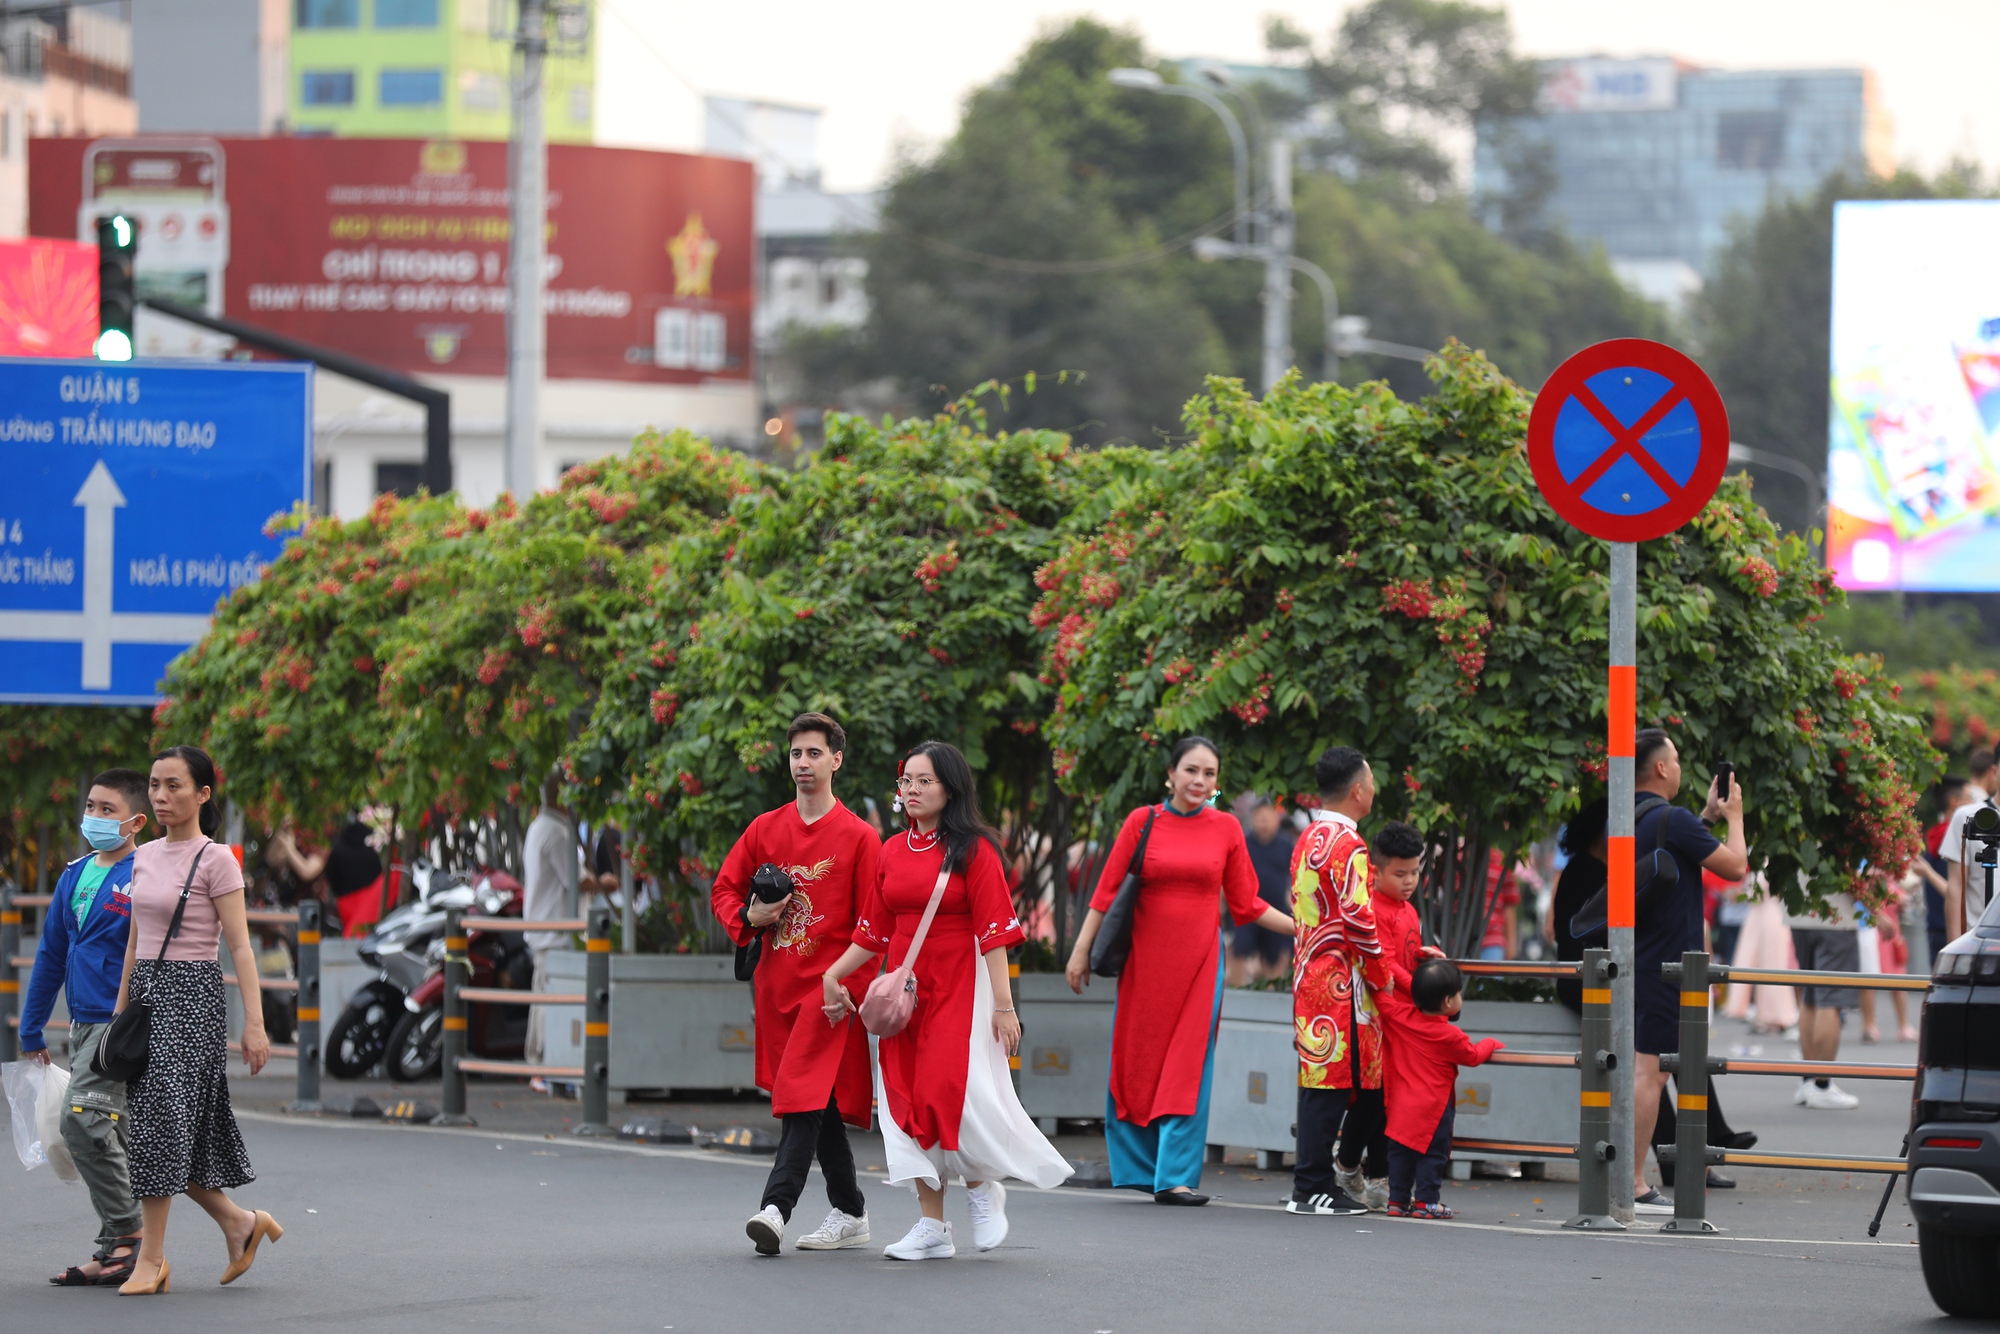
(1596, 1155)
(457, 973)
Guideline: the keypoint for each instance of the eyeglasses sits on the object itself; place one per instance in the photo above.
(908, 784)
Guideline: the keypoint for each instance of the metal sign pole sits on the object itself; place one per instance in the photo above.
(1621, 707)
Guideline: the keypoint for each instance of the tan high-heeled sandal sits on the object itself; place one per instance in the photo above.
(134, 1288)
(262, 1225)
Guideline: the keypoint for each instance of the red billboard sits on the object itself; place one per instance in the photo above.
(396, 250)
(48, 299)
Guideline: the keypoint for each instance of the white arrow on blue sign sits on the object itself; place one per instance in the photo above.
(135, 497)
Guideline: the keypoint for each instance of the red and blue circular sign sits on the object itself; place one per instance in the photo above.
(1628, 440)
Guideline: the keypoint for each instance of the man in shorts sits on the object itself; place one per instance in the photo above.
(1670, 922)
(1825, 944)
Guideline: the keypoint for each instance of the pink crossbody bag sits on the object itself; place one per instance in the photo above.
(892, 997)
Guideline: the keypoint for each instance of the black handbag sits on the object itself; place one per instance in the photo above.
(1114, 934)
(769, 885)
(121, 1053)
(1655, 872)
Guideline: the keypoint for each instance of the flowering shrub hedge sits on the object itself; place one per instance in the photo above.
(1337, 566)
(46, 753)
(1962, 706)
(887, 582)
(430, 656)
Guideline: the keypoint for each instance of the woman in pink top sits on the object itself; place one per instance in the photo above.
(183, 1135)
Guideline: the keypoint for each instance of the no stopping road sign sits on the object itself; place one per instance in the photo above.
(1628, 440)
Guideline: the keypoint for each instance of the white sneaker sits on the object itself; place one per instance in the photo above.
(928, 1240)
(989, 1214)
(1377, 1195)
(767, 1229)
(1350, 1180)
(1832, 1098)
(1799, 1093)
(837, 1233)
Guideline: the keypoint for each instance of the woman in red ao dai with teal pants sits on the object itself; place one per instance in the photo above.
(1170, 993)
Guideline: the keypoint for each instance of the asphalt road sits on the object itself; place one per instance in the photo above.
(393, 1228)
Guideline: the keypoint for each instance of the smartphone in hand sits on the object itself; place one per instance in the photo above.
(1725, 773)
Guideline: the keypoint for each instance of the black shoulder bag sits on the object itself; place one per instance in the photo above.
(769, 885)
(1654, 873)
(121, 1053)
(1114, 935)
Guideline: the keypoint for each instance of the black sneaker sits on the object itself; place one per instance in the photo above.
(1338, 1204)
(1652, 1202)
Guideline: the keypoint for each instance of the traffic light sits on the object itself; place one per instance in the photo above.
(117, 243)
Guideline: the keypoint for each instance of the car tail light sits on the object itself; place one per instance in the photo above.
(1952, 1142)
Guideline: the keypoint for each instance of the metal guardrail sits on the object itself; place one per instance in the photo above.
(305, 923)
(595, 1072)
(1691, 1067)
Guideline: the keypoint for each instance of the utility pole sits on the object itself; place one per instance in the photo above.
(528, 179)
(1279, 231)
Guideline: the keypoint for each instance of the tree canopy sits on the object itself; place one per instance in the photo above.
(1332, 565)
(1050, 232)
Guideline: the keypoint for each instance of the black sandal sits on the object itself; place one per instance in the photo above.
(117, 1269)
(73, 1278)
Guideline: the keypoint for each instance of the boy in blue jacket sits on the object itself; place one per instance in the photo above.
(83, 954)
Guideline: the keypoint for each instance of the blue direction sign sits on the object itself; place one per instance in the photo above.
(134, 496)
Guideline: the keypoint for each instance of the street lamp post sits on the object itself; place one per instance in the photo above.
(1764, 458)
(1149, 81)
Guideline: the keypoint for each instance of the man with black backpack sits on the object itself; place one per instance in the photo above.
(1669, 921)
(787, 894)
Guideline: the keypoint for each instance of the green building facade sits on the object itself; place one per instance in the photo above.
(427, 69)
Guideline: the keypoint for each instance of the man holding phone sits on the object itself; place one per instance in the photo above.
(816, 1071)
(1670, 920)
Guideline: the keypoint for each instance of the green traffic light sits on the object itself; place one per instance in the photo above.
(117, 294)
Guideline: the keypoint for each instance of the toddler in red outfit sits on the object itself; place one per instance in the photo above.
(1425, 1050)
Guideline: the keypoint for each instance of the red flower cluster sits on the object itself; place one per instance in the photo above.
(1412, 782)
(1177, 671)
(1594, 762)
(1846, 680)
(1257, 708)
(608, 508)
(1415, 598)
(494, 663)
(536, 624)
(1284, 602)
(364, 664)
(1761, 575)
(666, 704)
(940, 655)
(932, 570)
(688, 783)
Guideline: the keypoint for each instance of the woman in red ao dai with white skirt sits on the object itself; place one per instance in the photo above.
(947, 1101)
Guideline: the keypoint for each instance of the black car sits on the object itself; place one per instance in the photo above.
(1954, 1168)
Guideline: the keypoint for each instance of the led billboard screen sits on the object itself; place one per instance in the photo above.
(1913, 453)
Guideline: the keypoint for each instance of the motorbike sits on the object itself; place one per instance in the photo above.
(399, 949)
(498, 1032)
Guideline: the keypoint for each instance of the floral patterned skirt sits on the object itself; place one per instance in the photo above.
(183, 1132)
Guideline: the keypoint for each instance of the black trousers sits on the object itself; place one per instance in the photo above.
(1420, 1176)
(1365, 1134)
(1320, 1114)
(804, 1134)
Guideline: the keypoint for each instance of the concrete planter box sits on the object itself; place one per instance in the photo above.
(1254, 1103)
(678, 1021)
(1065, 1047)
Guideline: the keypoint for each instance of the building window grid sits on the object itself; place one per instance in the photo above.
(410, 87)
(326, 88)
(326, 13)
(406, 13)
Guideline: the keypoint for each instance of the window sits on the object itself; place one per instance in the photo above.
(398, 479)
(1750, 140)
(412, 87)
(406, 13)
(327, 88)
(327, 13)
(481, 90)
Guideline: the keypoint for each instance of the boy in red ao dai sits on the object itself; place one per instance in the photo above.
(1425, 1050)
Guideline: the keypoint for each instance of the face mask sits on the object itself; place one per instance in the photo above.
(102, 832)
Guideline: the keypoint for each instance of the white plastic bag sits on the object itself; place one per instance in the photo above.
(35, 1094)
(48, 1122)
(23, 1083)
